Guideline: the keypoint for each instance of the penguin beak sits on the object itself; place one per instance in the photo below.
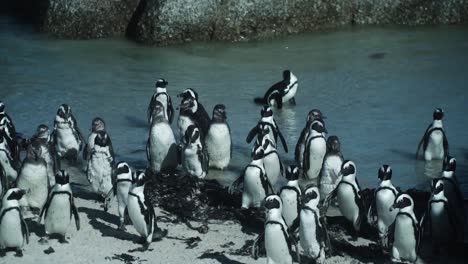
(393, 207)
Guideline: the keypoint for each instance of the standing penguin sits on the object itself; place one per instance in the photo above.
(331, 168)
(218, 141)
(281, 92)
(67, 138)
(406, 231)
(122, 185)
(434, 142)
(8, 131)
(192, 112)
(314, 114)
(97, 125)
(161, 148)
(7, 164)
(142, 213)
(161, 95)
(194, 155)
(291, 196)
(13, 229)
(42, 139)
(271, 160)
(101, 164)
(316, 147)
(60, 208)
(267, 120)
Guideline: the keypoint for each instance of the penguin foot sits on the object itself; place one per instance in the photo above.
(43, 241)
(62, 240)
(142, 240)
(122, 227)
(19, 253)
(159, 234)
(2, 253)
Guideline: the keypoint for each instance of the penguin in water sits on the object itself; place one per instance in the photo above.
(7, 164)
(42, 139)
(122, 185)
(97, 125)
(59, 209)
(9, 132)
(290, 195)
(192, 112)
(267, 120)
(331, 168)
(101, 165)
(314, 114)
(14, 231)
(271, 160)
(142, 213)
(161, 95)
(194, 155)
(281, 92)
(434, 142)
(405, 233)
(218, 140)
(161, 148)
(67, 138)
(33, 179)
(314, 154)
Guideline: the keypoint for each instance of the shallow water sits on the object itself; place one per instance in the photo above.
(377, 86)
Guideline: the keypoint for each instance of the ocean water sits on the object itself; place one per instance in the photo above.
(378, 87)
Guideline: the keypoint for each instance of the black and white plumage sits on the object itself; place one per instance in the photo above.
(42, 139)
(8, 132)
(314, 154)
(67, 138)
(330, 175)
(97, 125)
(218, 140)
(194, 155)
(267, 120)
(434, 142)
(7, 163)
(290, 195)
(161, 95)
(192, 112)
(314, 114)
(271, 159)
(281, 92)
(14, 232)
(122, 184)
(101, 164)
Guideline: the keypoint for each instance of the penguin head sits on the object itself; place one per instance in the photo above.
(139, 178)
(189, 105)
(286, 75)
(98, 124)
(219, 113)
(292, 173)
(438, 188)
(450, 164)
(318, 126)
(158, 110)
(62, 177)
(385, 173)
(273, 202)
(42, 131)
(64, 111)
(438, 114)
(348, 168)
(403, 202)
(258, 153)
(333, 144)
(311, 196)
(161, 83)
(13, 194)
(315, 114)
(188, 93)
(266, 111)
(2, 107)
(192, 134)
(34, 151)
(122, 168)
(102, 139)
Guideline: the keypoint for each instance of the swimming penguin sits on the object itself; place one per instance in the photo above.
(33, 179)
(97, 125)
(291, 196)
(192, 112)
(331, 168)
(218, 140)
(122, 185)
(13, 229)
(194, 155)
(256, 183)
(271, 160)
(161, 95)
(405, 232)
(60, 208)
(314, 154)
(67, 138)
(141, 212)
(161, 148)
(42, 139)
(281, 92)
(101, 164)
(7, 164)
(314, 114)
(434, 142)
(268, 120)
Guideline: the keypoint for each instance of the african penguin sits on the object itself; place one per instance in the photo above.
(314, 114)
(7, 164)
(314, 154)
(192, 112)
(194, 155)
(101, 164)
(97, 125)
(67, 138)
(122, 185)
(14, 231)
(8, 131)
(161, 95)
(281, 92)
(331, 168)
(434, 142)
(271, 160)
(291, 196)
(267, 120)
(218, 140)
(60, 208)
(42, 139)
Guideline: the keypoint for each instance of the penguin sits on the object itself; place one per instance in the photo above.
(122, 185)
(33, 179)
(290, 195)
(255, 181)
(7, 164)
(434, 142)
(67, 138)
(218, 140)
(192, 112)
(267, 120)
(271, 160)
(42, 139)
(141, 211)
(97, 125)
(14, 231)
(314, 154)
(405, 233)
(60, 208)
(194, 155)
(161, 148)
(314, 114)
(100, 165)
(330, 174)
(281, 92)
(161, 95)
(8, 131)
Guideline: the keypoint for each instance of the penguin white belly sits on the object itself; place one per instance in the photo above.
(66, 140)
(308, 234)
(33, 179)
(384, 199)
(122, 196)
(289, 212)
(58, 215)
(253, 193)
(162, 98)
(90, 146)
(10, 173)
(11, 234)
(347, 203)
(183, 123)
(271, 162)
(435, 146)
(138, 219)
(163, 150)
(318, 148)
(100, 173)
(441, 229)
(276, 245)
(46, 155)
(191, 163)
(330, 175)
(218, 145)
(290, 94)
(404, 244)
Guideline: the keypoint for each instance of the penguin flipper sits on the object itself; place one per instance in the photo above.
(297, 150)
(294, 225)
(149, 111)
(170, 109)
(327, 200)
(256, 247)
(419, 231)
(235, 184)
(75, 214)
(80, 137)
(148, 154)
(446, 145)
(45, 208)
(253, 132)
(305, 158)
(149, 217)
(283, 141)
(423, 140)
(24, 228)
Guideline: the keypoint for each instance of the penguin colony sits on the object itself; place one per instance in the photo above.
(295, 213)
